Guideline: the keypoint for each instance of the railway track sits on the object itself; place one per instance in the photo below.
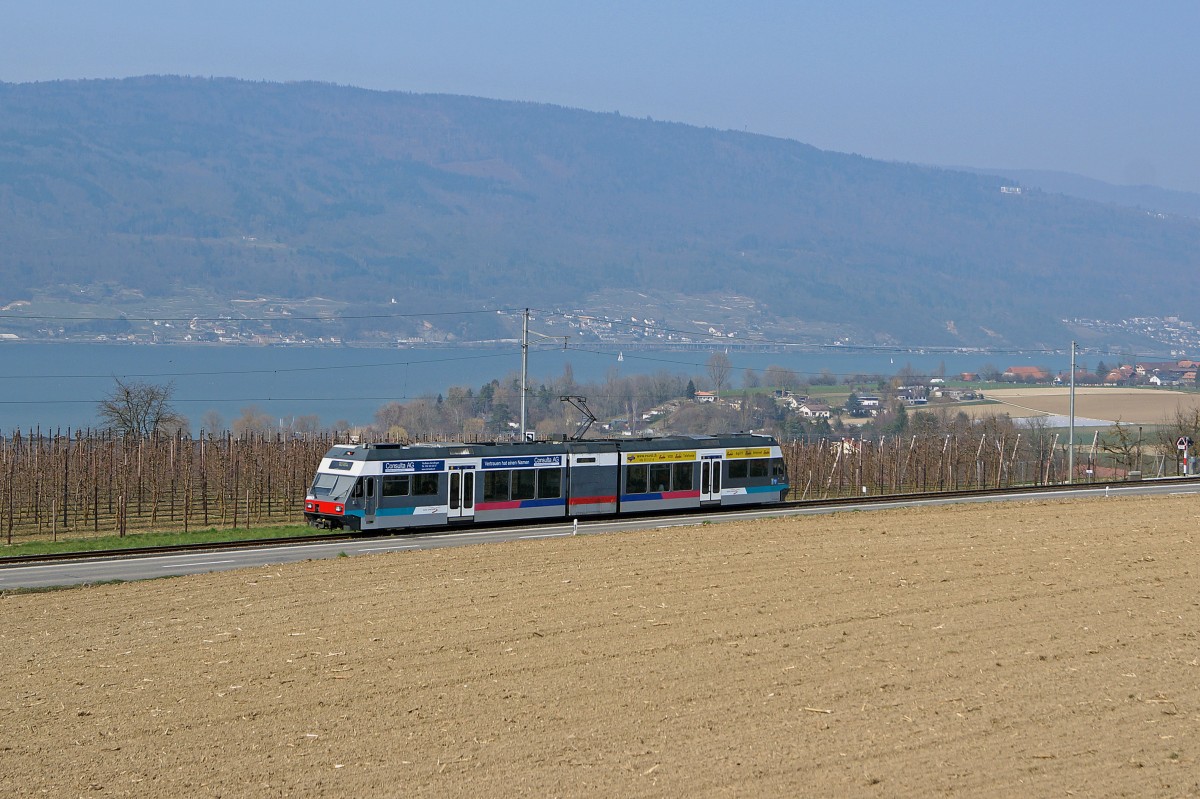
(328, 538)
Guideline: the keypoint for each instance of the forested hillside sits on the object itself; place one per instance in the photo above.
(162, 189)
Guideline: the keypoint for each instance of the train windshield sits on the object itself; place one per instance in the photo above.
(332, 486)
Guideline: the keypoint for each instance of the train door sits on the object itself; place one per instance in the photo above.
(710, 479)
(370, 499)
(462, 492)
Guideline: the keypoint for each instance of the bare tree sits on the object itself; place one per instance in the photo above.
(1122, 443)
(211, 422)
(718, 369)
(781, 377)
(140, 409)
(252, 421)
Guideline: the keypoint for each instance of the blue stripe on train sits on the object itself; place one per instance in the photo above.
(749, 490)
(640, 497)
(386, 512)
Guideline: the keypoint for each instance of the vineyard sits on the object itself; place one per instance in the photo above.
(902, 464)
(102, 484)
(90, 484)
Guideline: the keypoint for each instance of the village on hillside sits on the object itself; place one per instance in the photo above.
(825, 407)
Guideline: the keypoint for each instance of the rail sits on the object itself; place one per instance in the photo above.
(130, 552)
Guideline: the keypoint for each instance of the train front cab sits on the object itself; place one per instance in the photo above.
(378, 487)
(754, 476)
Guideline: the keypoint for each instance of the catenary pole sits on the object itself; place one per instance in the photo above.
(1071, 435)
(524, 367)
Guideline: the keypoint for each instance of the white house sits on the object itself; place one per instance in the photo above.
(813, 410)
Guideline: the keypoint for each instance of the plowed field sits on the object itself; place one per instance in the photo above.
(1034, 649)
(1112, 404)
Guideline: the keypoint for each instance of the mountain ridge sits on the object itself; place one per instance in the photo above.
(173, 185)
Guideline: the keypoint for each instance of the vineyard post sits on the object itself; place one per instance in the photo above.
(979, 462)
(832, 469)
(66, 478)
(858, 477)
(1050, 458)
(881, 454)
(203, 482)
(1000, 455)
(234, 458)
(35, 451)
(1013, 460)
(907, 456)
(944, 465)
(8, 492)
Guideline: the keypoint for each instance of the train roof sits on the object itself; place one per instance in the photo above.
(442, 449)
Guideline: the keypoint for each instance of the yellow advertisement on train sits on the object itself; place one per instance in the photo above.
(660, 457)
(753, 452)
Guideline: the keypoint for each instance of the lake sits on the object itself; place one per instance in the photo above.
(56, 386)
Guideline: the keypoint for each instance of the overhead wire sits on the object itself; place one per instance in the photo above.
(272, 318)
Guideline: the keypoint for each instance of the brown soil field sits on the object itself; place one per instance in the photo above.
(1026, 649)
(1128, 405)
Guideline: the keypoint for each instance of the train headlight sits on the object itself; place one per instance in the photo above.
(337, 508)
(308, 506)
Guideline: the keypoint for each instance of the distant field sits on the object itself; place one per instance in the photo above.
(1131, 405)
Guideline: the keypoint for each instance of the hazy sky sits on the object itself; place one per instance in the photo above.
(1110, 90)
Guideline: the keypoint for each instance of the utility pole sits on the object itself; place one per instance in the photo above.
(525, 365)
(1071, 435)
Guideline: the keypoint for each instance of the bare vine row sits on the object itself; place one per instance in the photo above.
(92, 484)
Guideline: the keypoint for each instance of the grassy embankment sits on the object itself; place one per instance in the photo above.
(155, 539)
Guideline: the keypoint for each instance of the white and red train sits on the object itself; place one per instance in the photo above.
(393, 486)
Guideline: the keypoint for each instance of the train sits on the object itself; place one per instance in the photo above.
(383, 487)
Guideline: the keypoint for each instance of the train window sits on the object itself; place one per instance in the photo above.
(758, 467)
(357, 491)
(660, 477)
(331, 485)
(425, 485)
(737, 469)
(681, 476)
(778, 470)
(524, 483)
(394, 486)
(549, 483)
(495, 486)
(635, 479)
